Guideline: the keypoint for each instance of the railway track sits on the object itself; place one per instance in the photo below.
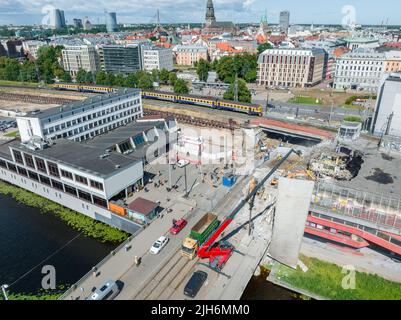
(34, 99)
(171, 276)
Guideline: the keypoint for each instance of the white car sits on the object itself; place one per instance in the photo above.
(182, 163)
(159, 245)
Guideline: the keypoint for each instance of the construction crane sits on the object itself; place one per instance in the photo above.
(220, 252)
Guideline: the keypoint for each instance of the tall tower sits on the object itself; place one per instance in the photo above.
(210, 17)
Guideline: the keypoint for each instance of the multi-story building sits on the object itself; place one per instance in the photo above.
(393, 61)
(86, 177)
(31, 47)
(362, 69)
(57, 19)
(157, 58)
(387, 118)
(122, 59)
(111, 22)
(83, 120)
(354, 43)
(76, 57)
(188, 55)
(284, 21)
(291, 67)
(78, 23)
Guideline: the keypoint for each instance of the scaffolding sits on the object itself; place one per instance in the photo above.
(375, 208)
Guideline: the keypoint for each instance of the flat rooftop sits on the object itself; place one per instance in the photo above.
(84, 157)
(380, 173)
(67, 110)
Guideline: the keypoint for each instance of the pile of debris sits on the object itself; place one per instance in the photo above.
(340, 165)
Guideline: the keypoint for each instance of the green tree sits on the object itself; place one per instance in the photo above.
(180, 86)
(226, 69)
(264, 46)
(81, 76)
(155, 75)
(28, 72)
(172, 78)
(131, 81)
(89, 77)
(164, 75)
(144, 80)
(244, 95)
(202, 69)
(110, 79)
(65, 77)
(119, 80)
(11, 70)
(101, 78)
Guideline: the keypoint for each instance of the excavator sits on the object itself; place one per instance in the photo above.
(219, 252)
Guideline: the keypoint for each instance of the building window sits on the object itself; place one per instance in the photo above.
(71, 190)
(57, 185)
(18, 157)
(66, 174)
(12, 167)
(22, 171)
(81, 180)
(84, 195)
(100, 202)
(40, 163)
(29, 160)
(33, 175)
(97, 185)
(3, 164)
(53, 169)
(44, 180)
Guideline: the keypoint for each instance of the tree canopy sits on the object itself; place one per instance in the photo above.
(180, 86)
(244, 95)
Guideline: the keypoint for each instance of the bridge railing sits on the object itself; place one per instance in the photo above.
(99, 265)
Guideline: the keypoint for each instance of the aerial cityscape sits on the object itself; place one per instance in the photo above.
(218, 150)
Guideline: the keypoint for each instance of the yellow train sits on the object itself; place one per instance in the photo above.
(210, 102)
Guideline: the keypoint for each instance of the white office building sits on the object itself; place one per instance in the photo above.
(31, 47)
(387, 118)
(77, 57)
(360, 70)
(157, 58)
(83, 120)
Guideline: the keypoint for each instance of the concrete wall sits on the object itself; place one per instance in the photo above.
(69, 201)
(294, 197)
(29, 127)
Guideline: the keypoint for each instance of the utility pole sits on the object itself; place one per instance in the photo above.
(3, 288)
(267, 98)
(236, 88)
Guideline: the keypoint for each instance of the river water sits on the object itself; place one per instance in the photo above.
(28, 237)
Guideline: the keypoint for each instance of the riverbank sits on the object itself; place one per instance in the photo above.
(325, 280)
(88, 226)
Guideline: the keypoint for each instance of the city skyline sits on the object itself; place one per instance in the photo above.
(239, 11)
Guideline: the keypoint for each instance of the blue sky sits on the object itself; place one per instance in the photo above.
(143, 11)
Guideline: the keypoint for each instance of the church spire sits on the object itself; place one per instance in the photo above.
(210, 17)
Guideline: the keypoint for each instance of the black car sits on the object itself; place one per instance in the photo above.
(195, 283)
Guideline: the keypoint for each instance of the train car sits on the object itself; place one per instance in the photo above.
(83, 87)
(159, 95)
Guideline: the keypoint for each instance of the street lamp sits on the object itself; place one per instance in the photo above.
(3, 288)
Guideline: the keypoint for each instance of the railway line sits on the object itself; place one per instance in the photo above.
(34, 99)
(171, 276)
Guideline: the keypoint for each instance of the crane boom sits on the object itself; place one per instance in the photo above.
(204, 251)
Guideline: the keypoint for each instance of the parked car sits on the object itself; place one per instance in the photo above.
(195, 284)
(178, 226)
(108, 291)
(159, 245)
(182, 163)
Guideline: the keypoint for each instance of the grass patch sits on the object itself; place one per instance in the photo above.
(353, 119)
(13, 134)
(325, 279)
(17, 83)
(306, 100)
(40, 295)
(88, 226)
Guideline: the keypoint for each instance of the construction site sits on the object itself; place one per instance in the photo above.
(277, 188)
